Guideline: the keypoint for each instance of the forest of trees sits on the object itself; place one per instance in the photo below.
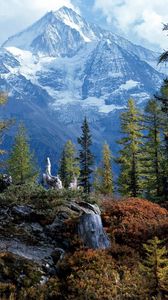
(142, 158)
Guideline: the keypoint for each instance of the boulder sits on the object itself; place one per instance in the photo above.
(90, 230)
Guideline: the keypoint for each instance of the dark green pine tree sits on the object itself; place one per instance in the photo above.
(164, 56)
(69, 167)
(62, 167)
(162, 99)
(21, 164)
(86, 157)
(130, 182)
(152, 152)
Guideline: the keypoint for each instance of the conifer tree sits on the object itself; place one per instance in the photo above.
(69, 164)
(107, 177)
(155, 268)
(152, 152)
(3, 98)
(85, 157)
(20, 163)
(162, 99)
(164, 56)
(97, 183)
(4, 124)
(130, 155)
(62, 168)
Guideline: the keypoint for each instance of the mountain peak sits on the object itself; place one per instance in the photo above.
(59, 33)
(61, 13)
(66, 10)
(72, 19)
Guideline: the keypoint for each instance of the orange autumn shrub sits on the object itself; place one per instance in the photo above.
(133, 221)
(7, 291)
(51, 290)
(95, 275)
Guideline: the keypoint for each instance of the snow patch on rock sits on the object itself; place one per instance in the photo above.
(130, 84)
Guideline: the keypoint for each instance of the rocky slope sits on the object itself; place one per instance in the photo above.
(35, 232)
(41, 256)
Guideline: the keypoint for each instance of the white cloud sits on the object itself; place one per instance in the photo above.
(16, 15)
(11, 8)
(139, 19)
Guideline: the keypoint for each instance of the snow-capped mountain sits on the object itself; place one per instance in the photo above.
(62, 68)
(60, 33)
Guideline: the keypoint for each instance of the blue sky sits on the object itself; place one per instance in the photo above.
(140, 21)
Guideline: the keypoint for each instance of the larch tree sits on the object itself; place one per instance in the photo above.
(86, 157)
(69, 166)
(107, 187)
(4, 124)
(21, 164)
(130, 182)
(152, 150)
(155, 268)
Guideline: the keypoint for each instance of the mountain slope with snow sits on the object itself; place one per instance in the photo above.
(62, 68)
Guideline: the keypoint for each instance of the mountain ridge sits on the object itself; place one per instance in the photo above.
(70, 73)
(99, 33)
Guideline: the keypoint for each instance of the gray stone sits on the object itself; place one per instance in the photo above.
(90, 230)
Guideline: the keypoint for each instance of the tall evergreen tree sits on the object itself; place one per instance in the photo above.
(69, 167)
(152, 152)
(21, 162)
(107, 176)
(164, 56)
(162, 99)
(130, 155)
(62, 167)
(85, 157)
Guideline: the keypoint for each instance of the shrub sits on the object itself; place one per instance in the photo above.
(94, 275)
(51, 290)
(19, 271)
(133, 221)
(7, 291)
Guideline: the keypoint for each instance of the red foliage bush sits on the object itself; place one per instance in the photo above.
(133, 221)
